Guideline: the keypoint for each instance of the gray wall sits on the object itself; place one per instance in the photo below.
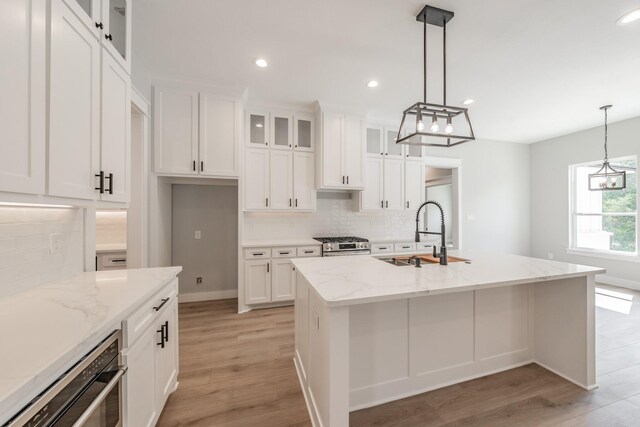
(550, 190)
(214, 211)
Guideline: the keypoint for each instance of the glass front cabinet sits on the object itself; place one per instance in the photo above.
(110, 22)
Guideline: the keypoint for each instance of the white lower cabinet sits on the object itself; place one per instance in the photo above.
(257, 280)
(269, 275)
(283, 283)
(152, 359)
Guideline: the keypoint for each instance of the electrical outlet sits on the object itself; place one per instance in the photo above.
(198, 280)
(471, 217)
(550, 255)
(198, 235)
(55, 243)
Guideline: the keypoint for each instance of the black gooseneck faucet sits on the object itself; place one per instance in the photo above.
(443, 247)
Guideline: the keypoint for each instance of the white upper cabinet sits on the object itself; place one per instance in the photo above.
(176, 131)
(219, 136)
(375, 141)
(372, 197)
(281, 180)
(414, 152)
(115, 148)
(22, 105)
(258, 129)
(110, 22)
(196, 133)
(394, 184)
(116, 38)
(281, 131)
(256, 179)
(414, 184)
(341, 151)
(304, 188)
(279, 163)
(303, 132)
(74, 117)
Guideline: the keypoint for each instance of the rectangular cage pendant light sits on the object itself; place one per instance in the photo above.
(435, 125)
(607, 178)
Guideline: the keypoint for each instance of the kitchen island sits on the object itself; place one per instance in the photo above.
(369, 332)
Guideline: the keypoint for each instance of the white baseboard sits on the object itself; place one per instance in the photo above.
(208, 296)
(615, 281)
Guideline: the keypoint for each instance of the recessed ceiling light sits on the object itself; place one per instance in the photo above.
(372, 83)
(629, 17)
(468, 101)
(262, 63)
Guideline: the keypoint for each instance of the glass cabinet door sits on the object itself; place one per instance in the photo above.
(303, 134)
(393, 149)
(414, 151)
(258, 130)
(118, 26)
(374, 141)
(281, 135)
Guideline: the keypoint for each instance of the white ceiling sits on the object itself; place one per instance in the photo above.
(537, 68)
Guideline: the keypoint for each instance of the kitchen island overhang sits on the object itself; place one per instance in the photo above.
(368, 332)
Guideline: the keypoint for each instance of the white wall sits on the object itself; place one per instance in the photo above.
(550, 190)
(212, 210)
(495, 195)
(495, 190)
(25, 261)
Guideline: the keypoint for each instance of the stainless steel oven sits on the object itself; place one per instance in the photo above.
(341, 246)
(88, 395)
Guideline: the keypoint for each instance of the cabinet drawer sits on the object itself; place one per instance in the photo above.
(380, 248)
(112, 261)
(309, 251)
(257, 253)
(283, 252)
(404, 247)
(135, 324)
(425, 246)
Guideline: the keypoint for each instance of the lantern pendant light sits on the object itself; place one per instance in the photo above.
(456, 126)
(607, 178)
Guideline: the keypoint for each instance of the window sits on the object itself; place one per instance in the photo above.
(604, 221)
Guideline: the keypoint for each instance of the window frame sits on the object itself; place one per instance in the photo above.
(573, 248)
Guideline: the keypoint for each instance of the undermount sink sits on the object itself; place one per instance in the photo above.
(406, 260)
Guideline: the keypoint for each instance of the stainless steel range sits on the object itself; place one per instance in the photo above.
(339, 246)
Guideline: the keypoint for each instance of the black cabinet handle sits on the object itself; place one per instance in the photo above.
(266, 202)
(407, 205)
(119, 260)
(290, 203)
(285, 253)
(382, 204)
(201, 165)
(99, 25)
(158, 307)
(108, 37)
(166, 331)
(308, 252)
(268, 267)
(296, 203)
(343, 179)
(258, 253)
(194, 165)
(347, 179)
(161, 343)
(101, 187)
(110, 178)
(386, 204)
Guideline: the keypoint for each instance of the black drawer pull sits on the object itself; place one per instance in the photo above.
(164, 301)
(119, 260)
(258, 253)
(285, 253)
(309, 252)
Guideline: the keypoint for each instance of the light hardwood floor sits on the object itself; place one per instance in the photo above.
(237, 370)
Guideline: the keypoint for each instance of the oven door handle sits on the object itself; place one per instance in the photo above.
(100, 397)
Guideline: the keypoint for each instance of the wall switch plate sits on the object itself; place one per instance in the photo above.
(550, 255)
(55, 243)
(198, 235)
(198, 280)
(471, 217)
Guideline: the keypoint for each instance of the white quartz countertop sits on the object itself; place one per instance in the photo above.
(46, 330)
(351, 280)
(280, 243)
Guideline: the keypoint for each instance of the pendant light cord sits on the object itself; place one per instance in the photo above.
(606, 155)
(444, 62)
(424, 60)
